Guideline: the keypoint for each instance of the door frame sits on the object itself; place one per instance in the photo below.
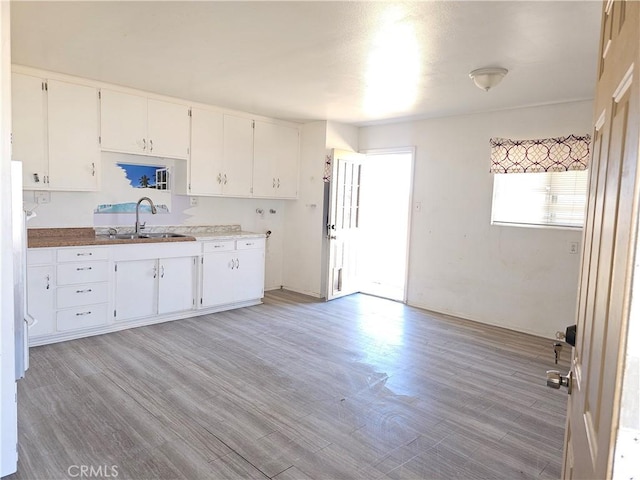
(411, 204)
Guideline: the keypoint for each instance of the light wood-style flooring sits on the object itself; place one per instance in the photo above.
(359, 387)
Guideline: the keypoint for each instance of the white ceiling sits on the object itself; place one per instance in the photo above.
(351, 62)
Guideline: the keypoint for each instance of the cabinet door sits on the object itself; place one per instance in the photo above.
(168, 129)
(40, 288)
(176, 284)
(238, 156)
(249, 273)
(275, 162)
(265, 151)
(205, 163)
(135, 289)
(74, 150)
(218, 271)
(123, 122)
(287, 160)
(28, 129)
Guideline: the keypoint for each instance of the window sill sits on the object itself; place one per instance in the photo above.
(536, 225)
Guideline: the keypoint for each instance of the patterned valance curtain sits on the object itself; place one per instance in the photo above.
(544, 155)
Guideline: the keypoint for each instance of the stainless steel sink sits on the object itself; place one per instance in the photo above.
(161, 235)
(123, 236)
(134, 236)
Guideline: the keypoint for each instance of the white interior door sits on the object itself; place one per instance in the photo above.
(343, 227)
(607, 257)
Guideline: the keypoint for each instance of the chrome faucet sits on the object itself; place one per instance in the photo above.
(140, 226)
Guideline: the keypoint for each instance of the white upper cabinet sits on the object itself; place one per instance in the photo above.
(275, 160)
(237, 156)
(29, 142)
(144, 126)
(206, 167)
(168, 129)
(55, 133)
(123, 119)
(221, 154)
(74, 151)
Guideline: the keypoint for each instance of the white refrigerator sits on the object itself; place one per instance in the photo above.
(19, 231)
(14, 358)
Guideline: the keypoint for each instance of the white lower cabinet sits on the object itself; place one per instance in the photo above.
(74, 292)
(135, 289)
(81, 288)
(176, 284)
(232, 271)
(67, 289)
(155, 286)
(40, 307)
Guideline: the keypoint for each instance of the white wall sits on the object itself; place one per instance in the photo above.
(305, 245)
(304, 217)
(73, 209)
(519, 278)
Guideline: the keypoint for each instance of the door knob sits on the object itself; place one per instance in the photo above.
(557, 380)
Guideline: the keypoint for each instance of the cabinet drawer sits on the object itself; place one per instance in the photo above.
(77, 295)
(39, 256)
(221, 246)
(250, 243)
(81, 254)
(81, 317)
(81, 272)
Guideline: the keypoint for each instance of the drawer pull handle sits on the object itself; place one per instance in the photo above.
(80, 314)
(88, 290)
(84, 268)
(84, 254)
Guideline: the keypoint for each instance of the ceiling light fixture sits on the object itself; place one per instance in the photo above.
(486, 78)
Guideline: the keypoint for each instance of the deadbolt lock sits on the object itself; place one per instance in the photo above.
(556, 380)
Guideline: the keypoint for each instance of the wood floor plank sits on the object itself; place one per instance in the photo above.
(296, 388)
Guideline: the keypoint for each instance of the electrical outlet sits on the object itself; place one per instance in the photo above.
(42, 197)
(193, 201)
(574, 247)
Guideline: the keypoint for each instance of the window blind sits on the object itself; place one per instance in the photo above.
(546, 198)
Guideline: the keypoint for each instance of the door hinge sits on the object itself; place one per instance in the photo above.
(200, 300)
(189, 114)
(99, 140)
(99, 94)
(202, 260)
(253, 124)
(115, 267)
(114, 314)
(46, 86)
(189, 187)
